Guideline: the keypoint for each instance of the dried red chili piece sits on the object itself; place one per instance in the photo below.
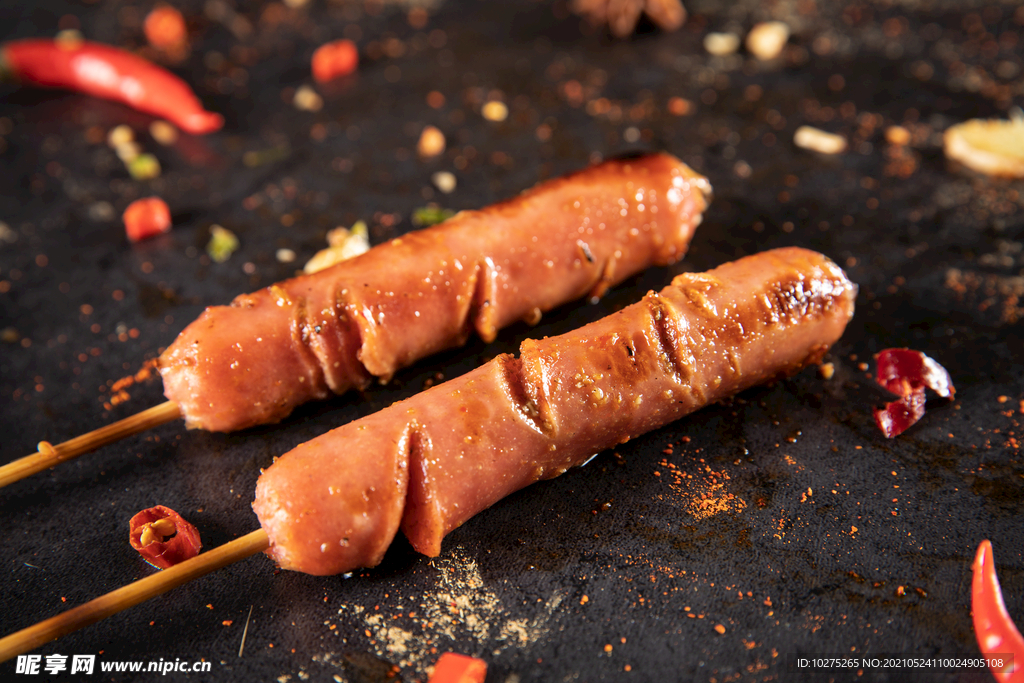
(108, 72)
(908, 373)
(896, 417)
(146, 217)
(163, 537)
(334, 60)
(902, 371)
(998, 637)
(456, 668)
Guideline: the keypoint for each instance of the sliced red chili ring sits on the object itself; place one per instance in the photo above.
(163, 537)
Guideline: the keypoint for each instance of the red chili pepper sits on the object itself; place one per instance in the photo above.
(456, 668)
(108, 72)
(907, 373)
(146, 217)
(335, 59)
(993, 627)
(163, 537)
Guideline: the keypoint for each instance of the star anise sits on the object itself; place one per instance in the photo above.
(622, 15)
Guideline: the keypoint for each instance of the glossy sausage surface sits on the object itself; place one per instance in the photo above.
(429, 463)
(254, 361)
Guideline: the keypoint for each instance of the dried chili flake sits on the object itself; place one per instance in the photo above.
(334, 60)
(163, 537)
(456, 668)
(908, 373)
(146, 217)
(165, 28)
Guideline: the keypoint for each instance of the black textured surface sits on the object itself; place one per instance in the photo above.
(633, 560)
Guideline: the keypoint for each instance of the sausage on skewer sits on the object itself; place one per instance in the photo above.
(253, 362)
(429, 463)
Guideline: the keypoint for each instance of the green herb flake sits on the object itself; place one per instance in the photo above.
(222, 244)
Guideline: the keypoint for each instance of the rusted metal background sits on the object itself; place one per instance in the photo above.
(784, 518)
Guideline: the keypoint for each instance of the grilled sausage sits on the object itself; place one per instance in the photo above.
(431, 462)
(254, 361)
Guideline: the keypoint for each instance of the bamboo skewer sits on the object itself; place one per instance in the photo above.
(50, 455)
(122, 598)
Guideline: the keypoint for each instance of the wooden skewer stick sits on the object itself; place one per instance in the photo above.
(50, 455)
(113, 602)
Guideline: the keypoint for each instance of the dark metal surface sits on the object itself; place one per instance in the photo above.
(785, 516)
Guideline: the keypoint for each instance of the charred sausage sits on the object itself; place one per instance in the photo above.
(429, 463)
(254, 361)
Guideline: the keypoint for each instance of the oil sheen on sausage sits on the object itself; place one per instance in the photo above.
(254, 361)
(429, 463)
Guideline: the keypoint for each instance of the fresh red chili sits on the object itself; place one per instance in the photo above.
(163, 537)
(108, 72)
(993, 627)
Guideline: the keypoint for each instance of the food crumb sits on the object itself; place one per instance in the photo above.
(608, 647)
(808, 137)
(163, 132)
(897, 135)
(680, 106)
(720, 629)
(584, 600)
(826, 370)
(766, 40)
(495, 110)
(444, 181)
(284, 255)
(307, 99)
(721, 43)
(431, 142)
(1003, 399)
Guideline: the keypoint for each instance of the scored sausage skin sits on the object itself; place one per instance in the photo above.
(473, 440)
(254, 361)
